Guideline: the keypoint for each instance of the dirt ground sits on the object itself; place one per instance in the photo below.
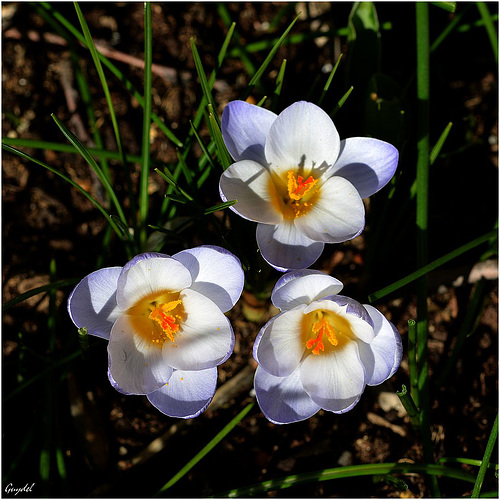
(118, 446)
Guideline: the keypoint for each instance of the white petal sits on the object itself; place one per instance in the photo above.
(216, 273)
(367, 163)
(205, 338)
(302, 135)
(283, 400)
(244, 129)
(285, 247)
(250, 183)
(92, 303)
(281, 346)
(186, 394)
(149, 276)
(382, 356)
(334, 380)
(337, 215)
(134, 367)
(303, 287)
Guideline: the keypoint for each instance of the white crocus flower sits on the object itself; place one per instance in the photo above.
(296, 178)
(164, 319)
(321, 350)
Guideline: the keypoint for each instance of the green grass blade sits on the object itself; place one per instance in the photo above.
(67, 179)
(206, 154)
(66, 148)
(146, 127)
(410, 406)
(343, 99)
(345, 472)
(439, 144)
(220, 206)
(45, 8)
(490, 27)
(171, 180)
(486, 460)
(93, 164)
(258, 74)
(467, 461)
(279, 85)
(102, 77)
(412, 359)
(430, 267)
(448, 6)
(329, 81)
(56, 285)
(206, 449)
(224, 157)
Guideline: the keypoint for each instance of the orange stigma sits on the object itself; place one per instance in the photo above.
(319, 328)
(298, 187)
(165, 320)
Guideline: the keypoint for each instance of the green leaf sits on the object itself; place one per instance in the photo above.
(486, 459)
(430, 267)
(329, 81)
(216, 134)
(256, 77)
(220, 206)
(279, 84)
(448, 6)
(67, 179)
(206, 449)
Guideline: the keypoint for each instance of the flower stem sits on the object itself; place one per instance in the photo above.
(423, 148)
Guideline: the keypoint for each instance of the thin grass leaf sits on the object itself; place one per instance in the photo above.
(262, 101)
(467, 328)
(256, 77)
(66, 148)
(345, 472)
(486, 460)
(206, 449)
(146, 127)
(207, 94)
(240, 50)
(102, 77)
(343, 99)
(171, 180)
(56, 285)
(439, 144)
(67, 179)
(283, 13)
(448, 6)
(45, 9)
(466, 461)
(220, 206)
(410, 406)
(93, 164)
(329, 81)
(207, 155)
(279, 85)
(177, 199)
(216, 135)
(483, 9)
(412, 359)
(42, 374)
(430, 267)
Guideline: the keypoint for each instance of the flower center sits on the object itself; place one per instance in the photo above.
(166, 321)
(298, 187)
(325, 330)
(320, 328)
(157, 318)
(301, 195)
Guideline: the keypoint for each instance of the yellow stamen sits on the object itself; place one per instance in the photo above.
(298, 187)
(166, 321)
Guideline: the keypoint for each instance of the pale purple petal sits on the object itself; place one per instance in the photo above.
(216, 273)
(244, 129)
(303, 287)
(285, 247)
(382, 356)
(205, 337)
(367, 163)
(149, 276)
(251, 185)
(136, 366)
(283, 400)
(281, 346)
(304, 139)
(352, 307)
(335, 379)
(337, 215)
(92, 303)
(112, 381)
(143, 256)
(186, 394)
